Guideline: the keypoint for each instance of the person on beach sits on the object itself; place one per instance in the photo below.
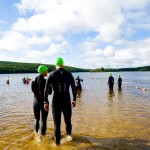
(78, 83)
(7, 80)
(119, 82)
(37, 87)
(111, 82)
(60, 80)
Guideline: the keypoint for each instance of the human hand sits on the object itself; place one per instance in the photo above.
(46, 106)
(73, 104)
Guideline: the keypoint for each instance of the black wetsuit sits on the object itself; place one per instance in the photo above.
(119, 83)
(111, 82)
(38, 104)
(78, 84)
(60, 80)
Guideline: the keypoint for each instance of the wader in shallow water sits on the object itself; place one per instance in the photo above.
(37, 87)
(78, 84)
(61, 80)
(7, 80)
(119, 82)
(111, 82)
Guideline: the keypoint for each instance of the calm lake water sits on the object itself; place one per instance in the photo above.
(101, 119)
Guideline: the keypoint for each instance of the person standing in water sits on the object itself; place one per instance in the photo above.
(61, 80)
(7, 80)
(78, 83)
(119, 82)
(111, 82)
(37, 87)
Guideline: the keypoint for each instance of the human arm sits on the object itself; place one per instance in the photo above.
(73, 90)
(32, 86)
(47, 91)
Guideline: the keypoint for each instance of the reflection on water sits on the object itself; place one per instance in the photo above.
(102, 118)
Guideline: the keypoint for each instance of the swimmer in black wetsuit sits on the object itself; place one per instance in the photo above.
(78, 83)
(60, 80)
(111, 82)
(37, 87)
(119, 82)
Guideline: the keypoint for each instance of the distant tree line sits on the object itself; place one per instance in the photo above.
(17, 67)
(146, 68)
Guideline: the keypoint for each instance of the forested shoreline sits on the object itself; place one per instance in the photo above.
(19, 67)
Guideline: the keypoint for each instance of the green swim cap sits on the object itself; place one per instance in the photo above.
(59, 61)
(110, 74)
(41, 69)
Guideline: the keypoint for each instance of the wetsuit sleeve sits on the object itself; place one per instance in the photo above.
(48, 88)
(33, 86)
(73, 88)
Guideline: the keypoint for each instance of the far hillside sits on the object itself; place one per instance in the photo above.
(17, 67)
(146, 68)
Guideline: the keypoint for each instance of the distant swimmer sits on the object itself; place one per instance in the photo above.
(7, 80)
(78, 83)
(26, 80)
(111, 82)
(142, 89)
(119, 82)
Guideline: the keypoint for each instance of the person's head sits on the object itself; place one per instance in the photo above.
(110, 74)
(78, 76)
(42, 70)
(119, 76)
(59, 63)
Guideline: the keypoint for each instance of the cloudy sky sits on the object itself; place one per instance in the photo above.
(86, 33)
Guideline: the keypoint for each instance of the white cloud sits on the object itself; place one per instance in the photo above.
(135, 54)
(52, 50)
(13, 41)
(2, 22)
(73, 16)
(109, 51)
(17, 41)
(133, 4)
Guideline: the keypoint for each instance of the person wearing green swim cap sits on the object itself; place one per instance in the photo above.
(42, 69)
(61, 80)
(37, 87)
(59, 62)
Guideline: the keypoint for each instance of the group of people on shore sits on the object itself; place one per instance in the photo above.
(58, 82)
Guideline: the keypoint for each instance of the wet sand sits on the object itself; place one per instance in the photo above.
(27, 141)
